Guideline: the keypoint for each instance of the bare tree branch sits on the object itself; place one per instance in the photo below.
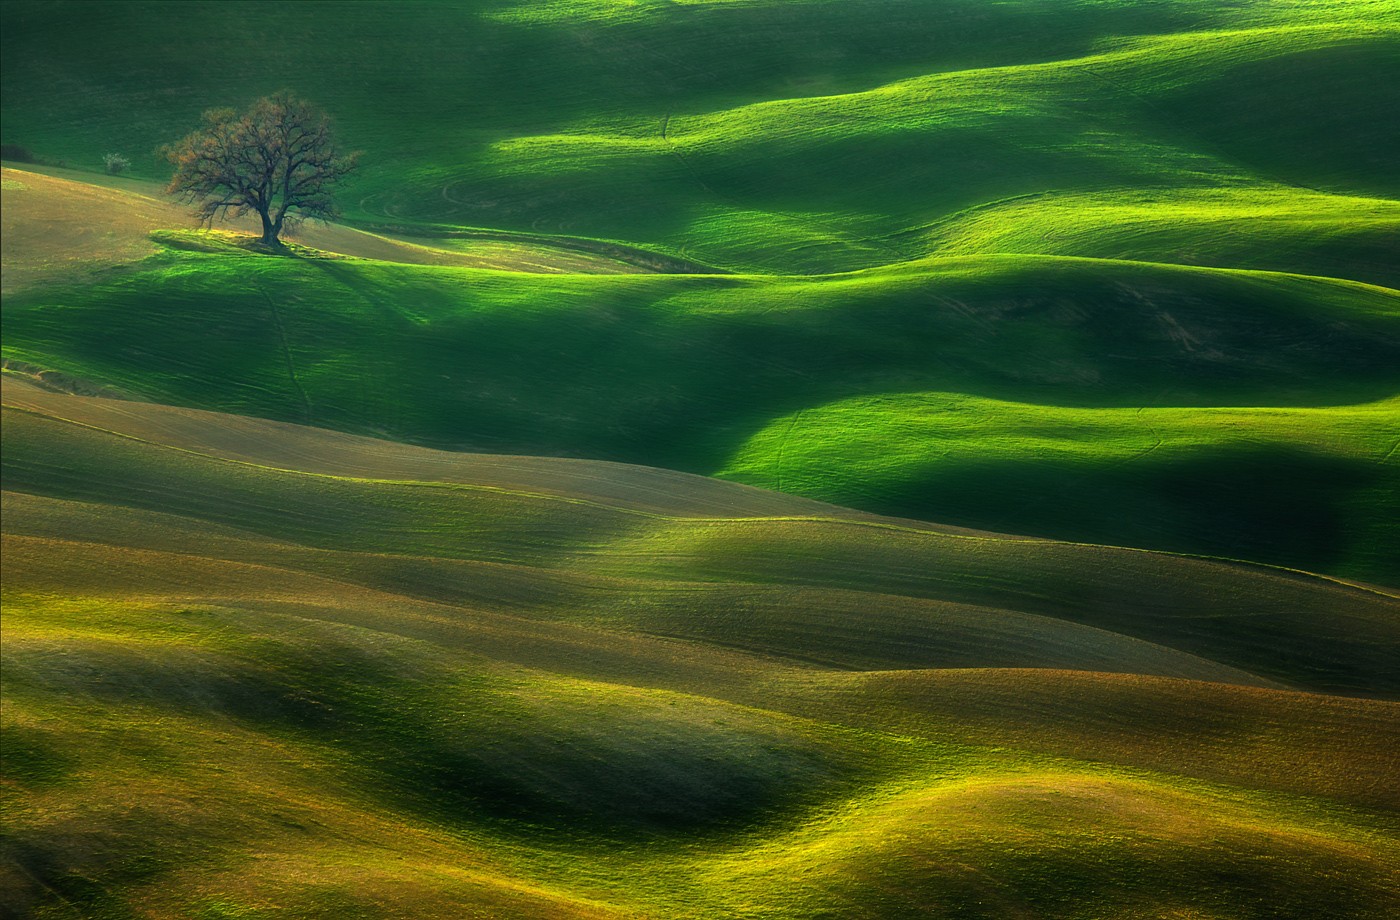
(279, 159)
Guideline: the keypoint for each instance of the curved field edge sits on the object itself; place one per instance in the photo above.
(255, 669)
(59, 225)
(924, 597)
(1149, 475)
(376, 854)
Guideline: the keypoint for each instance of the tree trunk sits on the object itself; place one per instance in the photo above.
(270, 230)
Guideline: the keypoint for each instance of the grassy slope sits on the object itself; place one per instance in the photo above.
(823, 137)
(1278, 229)
(56, 227)
(386, 682)
(1306, 486)
(862, 178)
(760, 556)
(718, 374)
(1251, 136)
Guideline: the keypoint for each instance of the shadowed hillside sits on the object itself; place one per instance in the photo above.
(1114, 402)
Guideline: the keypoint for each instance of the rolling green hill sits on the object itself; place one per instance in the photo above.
(842, 387)
(56, 229)
(1313, 486)
(759, 459)
(193, 466)
(387, 681)
(803, 136)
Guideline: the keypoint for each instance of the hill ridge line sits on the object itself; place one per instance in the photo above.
(1149, 45)
(828, 667)
(1097, 260)
(422, 236)
(795, 519)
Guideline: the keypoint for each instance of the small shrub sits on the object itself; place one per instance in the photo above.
(116, 163)
(16, 153)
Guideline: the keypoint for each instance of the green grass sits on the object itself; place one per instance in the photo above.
(1278, 229)
(714, 374)
(57, 229)
(1314, 487)
(252, 668)
(745, 577)
(986, 202)
(819, 136)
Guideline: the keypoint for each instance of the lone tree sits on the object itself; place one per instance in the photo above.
(275, 158)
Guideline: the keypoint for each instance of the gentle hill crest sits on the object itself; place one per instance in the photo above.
(823, 136)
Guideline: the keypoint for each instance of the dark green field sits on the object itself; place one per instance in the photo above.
(734, 458)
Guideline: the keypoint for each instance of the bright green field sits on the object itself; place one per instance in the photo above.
(762, 459)
(1314, 486)
(816, 385)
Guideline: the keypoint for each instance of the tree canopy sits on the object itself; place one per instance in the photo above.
(279, 159)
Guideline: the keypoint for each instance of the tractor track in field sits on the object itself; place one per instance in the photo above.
(879, 242)
(1385, 458)
(690, 168)
(1156, 438)
(782, 446)
(287, 352)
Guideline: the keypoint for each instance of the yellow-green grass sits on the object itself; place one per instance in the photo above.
(254, 670)
(928, 597)
(56, 228)
(337, 742)
(188, 778)
(1146, 476)
(52, 228)
(1279, 229)
(980, 849)
(1253, 135)
(1131, 720)
(258, 670)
